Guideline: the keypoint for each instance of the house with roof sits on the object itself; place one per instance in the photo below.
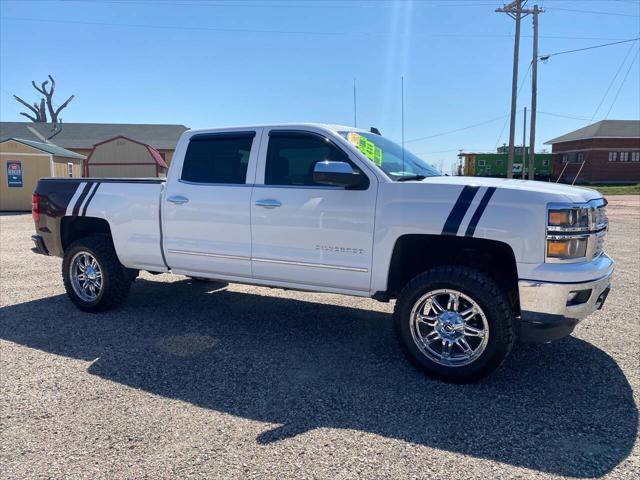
(24, 162)
(29, 151)
(607, 151)
(81, 137)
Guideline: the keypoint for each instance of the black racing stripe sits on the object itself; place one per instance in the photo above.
(86, 205)
(83, 195)
(458, 211)
(477, 215)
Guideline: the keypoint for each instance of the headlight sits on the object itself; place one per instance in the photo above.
(569, 219)
(575, 233)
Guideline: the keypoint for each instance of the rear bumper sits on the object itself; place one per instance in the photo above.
(550, 311)
(39, 246)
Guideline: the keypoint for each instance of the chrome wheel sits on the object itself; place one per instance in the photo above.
(86, 276)
(449, 327)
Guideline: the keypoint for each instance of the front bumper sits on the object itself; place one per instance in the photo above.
(547, 311)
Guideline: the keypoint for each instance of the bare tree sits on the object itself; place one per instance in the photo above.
(40, 110)
(39, 113)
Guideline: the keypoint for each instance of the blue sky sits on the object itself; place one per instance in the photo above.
(216, 63)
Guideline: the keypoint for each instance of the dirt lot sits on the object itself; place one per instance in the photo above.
(245, 382)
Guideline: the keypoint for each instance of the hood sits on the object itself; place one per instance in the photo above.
(572, 194)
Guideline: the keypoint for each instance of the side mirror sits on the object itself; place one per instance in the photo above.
(338, 174)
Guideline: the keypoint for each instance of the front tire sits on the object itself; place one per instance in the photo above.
(454, 323)
(94, 278)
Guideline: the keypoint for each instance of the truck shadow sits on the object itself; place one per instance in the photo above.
(564, 408)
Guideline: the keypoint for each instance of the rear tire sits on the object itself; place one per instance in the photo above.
(463, 340)
(94, 278)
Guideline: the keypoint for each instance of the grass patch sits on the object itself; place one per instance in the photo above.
(609, 189)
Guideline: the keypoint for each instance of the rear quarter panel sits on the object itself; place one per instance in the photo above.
(130, 207)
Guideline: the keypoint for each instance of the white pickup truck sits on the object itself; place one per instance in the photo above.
(473, 263)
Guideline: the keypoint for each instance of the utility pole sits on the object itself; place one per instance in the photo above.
(515, 11)
(524, 141)
(534, 93)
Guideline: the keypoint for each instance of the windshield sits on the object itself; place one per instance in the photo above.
(397, 162)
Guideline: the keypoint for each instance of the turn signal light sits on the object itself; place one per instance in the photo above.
(566, 249)
(557, 248)
(560, 217)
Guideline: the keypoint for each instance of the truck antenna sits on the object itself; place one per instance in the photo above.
(402, 114)
(355, 116)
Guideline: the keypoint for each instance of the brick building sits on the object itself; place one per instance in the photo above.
(607, 151)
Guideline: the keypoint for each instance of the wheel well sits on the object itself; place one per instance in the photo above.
(414, 254)
(73, 228)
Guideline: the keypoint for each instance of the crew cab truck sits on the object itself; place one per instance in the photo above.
(472, 263)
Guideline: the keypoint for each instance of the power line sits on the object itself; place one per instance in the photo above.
(613, 80)
(622, 84)
(451, 150)
(457, 129)
(285, 32)
(352, 5)
(433, 152)
(586, 157)
(575, 10)
(546, 57)
(572, 117)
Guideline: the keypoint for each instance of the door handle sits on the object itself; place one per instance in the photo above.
(268, 203)
(177, 199)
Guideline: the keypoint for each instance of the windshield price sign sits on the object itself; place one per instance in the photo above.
(14, 173)
(366, 146)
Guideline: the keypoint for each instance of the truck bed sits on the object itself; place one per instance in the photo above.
(133, 204)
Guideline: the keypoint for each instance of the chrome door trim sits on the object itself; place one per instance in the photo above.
(204, 254)
(300, 187)
(314, 265)
(270, 260)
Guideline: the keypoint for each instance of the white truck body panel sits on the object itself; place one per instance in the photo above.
(133, 213)
(212, 232)
(320, 238)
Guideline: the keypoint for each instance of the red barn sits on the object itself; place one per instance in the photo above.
(124, 157)
(607, 151)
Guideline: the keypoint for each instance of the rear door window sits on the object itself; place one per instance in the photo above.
(215, 158)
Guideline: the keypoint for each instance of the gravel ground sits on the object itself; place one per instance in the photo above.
(243, 382)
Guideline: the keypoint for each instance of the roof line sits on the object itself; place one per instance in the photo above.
(123, 137)
(553, 142)
(29, 143)
(36, 133)
(156, 161)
